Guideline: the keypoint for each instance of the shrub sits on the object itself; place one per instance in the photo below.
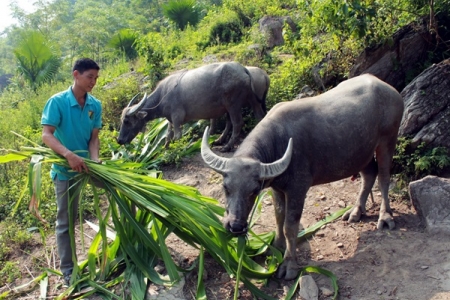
(10, 272)
(225, 32)
(182, 12)
(124, 42)
(414, 162)
(115, 97)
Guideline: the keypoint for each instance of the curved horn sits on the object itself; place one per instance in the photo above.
(132, 100)
(277, 167)
(215, 162)
(134, 109)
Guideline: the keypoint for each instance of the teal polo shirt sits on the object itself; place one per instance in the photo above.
(73, 125)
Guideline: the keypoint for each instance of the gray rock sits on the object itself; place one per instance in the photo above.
(427, 107)
(306, 92)
(430, 196)
(326, 292)
(272, 28)
(308, 288)
(397, 57)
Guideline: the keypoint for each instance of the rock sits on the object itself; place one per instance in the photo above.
(272, 28)
(342, 204)
(209, 59)
(430, 197)
(392, 60)
(427, 107)
(308, 288)
(340, 245)
(305, 92)
(174, 292)
(326, 292)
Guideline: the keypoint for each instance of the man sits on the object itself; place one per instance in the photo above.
(71, 122)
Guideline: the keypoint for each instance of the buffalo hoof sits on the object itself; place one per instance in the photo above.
(287, 271)
(226, 148)
(353, 215)
(385, 218)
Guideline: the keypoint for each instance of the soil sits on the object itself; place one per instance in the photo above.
(404, 263)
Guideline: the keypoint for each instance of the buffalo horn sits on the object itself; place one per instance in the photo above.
(215, 162)
(137, 107)
(132, 100)
(277, 167)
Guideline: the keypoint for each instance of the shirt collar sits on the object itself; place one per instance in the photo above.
(74, 102)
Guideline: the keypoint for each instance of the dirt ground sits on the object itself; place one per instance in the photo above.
(406, 263)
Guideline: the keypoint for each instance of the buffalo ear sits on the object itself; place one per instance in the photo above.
(141, 114)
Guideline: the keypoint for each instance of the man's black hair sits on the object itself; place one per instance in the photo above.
(84, 64)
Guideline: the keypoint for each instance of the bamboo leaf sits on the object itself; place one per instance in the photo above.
(12, 157)
(201, 292)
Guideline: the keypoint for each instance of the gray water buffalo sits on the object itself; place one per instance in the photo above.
(261, 83)
(349, 129)
(206, 92)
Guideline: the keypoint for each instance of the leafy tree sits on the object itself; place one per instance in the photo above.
(37, 61)
(182, 12)
(124, 41)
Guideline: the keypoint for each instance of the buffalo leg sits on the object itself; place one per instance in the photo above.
(258, 111)
(289, 205)
(222, 138)
(368, 176)
(236, 122)
(212, 126)
(384, 159)
(169, 135)
(279, 204)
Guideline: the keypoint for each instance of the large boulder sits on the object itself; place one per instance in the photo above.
(397, 57)
(427, 107)
(430, 196)
(272, 28)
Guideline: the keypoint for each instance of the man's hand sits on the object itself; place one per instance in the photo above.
(76, 163)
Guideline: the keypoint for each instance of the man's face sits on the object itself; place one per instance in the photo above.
(86, 80)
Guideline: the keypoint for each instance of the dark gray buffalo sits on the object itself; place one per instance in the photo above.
(308, 142)
(206, 92)
(261, 83)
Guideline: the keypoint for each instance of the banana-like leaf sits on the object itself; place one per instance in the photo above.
(201, 292)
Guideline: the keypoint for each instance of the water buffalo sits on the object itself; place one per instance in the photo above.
(261, 83)
(206, 92)
(349, 129)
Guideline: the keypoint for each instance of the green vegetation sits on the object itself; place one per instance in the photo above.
(413, 162)
(123, 35)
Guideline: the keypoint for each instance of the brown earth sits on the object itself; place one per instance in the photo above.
(405, 263)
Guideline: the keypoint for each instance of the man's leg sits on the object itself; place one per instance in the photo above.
(65, 192)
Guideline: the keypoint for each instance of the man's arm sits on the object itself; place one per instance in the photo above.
(75, 162)
(94, 145)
